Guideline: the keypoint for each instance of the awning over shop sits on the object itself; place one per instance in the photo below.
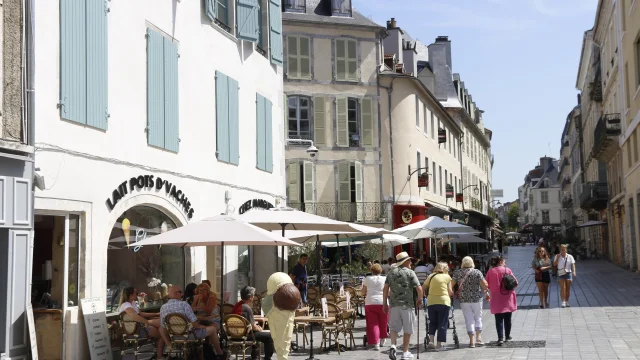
(437, 209)
(592, 223)
(479, 215)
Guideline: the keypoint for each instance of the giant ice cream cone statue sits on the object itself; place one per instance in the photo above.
(279, 306)
(126, 226)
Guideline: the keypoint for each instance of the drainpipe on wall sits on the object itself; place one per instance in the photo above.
(29, 43)
(461, 171)
(393, 181)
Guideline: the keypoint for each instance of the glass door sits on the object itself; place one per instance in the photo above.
(73, 290)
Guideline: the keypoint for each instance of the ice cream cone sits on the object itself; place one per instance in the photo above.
(126, 226)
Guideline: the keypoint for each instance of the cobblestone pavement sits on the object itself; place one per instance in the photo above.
(603, 321)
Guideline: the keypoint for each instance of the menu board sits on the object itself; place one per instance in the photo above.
(325, 309)
(32, 333)
(95, 321)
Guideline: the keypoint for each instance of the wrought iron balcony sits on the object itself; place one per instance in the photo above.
(595, 86)
(360, 212)
(594, 195)
(476, 204)
(567, 202)
(605, 137)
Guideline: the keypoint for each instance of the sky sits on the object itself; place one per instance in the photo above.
(518, 59)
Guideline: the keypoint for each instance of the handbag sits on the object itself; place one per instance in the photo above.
(563, 271)
(462, 283)
(508, 282)
(539, 274)
(427, 286)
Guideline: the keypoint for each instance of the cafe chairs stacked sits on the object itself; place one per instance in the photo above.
(240, 336)
(333, 329)
(184, 342)
(133, 335)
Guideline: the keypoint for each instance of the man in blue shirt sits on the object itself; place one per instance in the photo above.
(299, 276)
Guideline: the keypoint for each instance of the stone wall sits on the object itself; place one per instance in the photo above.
(11, 121)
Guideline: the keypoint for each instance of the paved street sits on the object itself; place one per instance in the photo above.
(603, 321)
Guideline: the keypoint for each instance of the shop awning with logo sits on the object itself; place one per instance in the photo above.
(437, 209)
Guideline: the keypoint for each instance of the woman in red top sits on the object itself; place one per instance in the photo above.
(503, 302)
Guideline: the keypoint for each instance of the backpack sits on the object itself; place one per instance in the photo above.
(508, 282)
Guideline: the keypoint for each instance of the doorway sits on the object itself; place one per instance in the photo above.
(55, 279)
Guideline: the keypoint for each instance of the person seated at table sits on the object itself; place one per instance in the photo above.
(205, 305)
(176, 306)
(189, 293)
(247, 294)
(150, 321)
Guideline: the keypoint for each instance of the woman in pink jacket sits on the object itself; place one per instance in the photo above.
(503, 302)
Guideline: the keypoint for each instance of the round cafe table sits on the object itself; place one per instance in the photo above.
(313, 320)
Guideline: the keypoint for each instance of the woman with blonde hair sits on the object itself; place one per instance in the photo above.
(439, 292)
(566, 265)
(205, 304)
(377, 320)
(541, 264)
(471, 289)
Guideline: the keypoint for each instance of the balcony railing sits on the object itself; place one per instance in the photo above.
(361, 212)
(476, 204)
(605, 137)
(594, 195)
(567, 202)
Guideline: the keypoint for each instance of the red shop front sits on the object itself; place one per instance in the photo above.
(405, 214)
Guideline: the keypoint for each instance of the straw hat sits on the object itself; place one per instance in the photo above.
(402, 258)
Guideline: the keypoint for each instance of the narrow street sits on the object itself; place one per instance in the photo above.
(603, 321)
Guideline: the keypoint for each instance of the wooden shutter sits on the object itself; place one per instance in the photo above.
(97, 65)
(73, 61)
(304, 57)
(222, 117)
(210, 9)
(268, 135)
(341, 119)
(341, 59)
(359, 191)
(260, 132)
(293, 71)
(309, 183)
(248, 19)
(292, 183)
(427, 113)
(319, 120)
(275, 35)
(155, 88)
(171, 110)
(344, 182)
(353, 73)
(366, 112)
(234, 122)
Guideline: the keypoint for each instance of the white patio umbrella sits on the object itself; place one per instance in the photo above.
(513, 233)
(386, 239)
(218, 230)
(284, 218)
(431, 228)
(465, 239)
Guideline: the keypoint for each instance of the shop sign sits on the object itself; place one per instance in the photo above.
(255, 204)
(459, 197)
(423, 180)
(442, 136)
(150, 182)
(449, 193)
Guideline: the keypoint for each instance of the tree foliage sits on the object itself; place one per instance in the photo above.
(370, 251)
(512, 217)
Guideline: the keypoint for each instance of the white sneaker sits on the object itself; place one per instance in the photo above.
(564, 304)
(406, 355)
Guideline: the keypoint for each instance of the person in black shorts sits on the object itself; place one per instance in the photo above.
(541, 264)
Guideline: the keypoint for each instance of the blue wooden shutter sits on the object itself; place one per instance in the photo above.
(210, 9)
(73, 61)
(260, 132)
(234, 122)
(97, 69)
(248, 20)
(171, 113)
(155, 88)
(222, 116)
(275, 26)
(268, 136)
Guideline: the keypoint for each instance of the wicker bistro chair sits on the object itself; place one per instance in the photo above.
(256, 306)
(133, 335)
(332, 330)
(240, 334)
(331, 297)
(301, 327)
(313, 297)
(226, 310)
(348, 320)
(183, 340)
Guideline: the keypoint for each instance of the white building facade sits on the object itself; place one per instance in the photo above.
(151, 115)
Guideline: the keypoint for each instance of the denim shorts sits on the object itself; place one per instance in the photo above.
(566, 276)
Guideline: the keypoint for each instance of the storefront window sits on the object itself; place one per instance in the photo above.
(150, 269)
(74, 258)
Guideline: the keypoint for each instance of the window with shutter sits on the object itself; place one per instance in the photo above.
(293, 187)
(298, 57)
(294, 5)
(275, 35)
(353, 72)
(319, 120)
(300, 122)
(84, 62)
(368, 115)
(433, 176)
(359, 190)
(341, 7)
(344, 182)
(417, 112)
(227, 119)
(264, 141)
(309, 183)
(346, 60)
(342, 128)
(162, 91)
(340, 59)
(248, 18)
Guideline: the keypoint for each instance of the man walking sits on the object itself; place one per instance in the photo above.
(299, 276)
(402, 282)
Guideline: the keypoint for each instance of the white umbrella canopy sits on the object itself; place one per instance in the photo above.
(513, 233)
(284, 218)
(386, 239)
(217, 230)
(358, 232)
(465, 239)
(455, 234)
(431, 227)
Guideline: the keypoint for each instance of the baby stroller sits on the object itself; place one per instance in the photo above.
(451, 325)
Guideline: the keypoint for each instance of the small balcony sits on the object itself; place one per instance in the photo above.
(567, 202)
(358, 212)
(594, 195)
(605, 137)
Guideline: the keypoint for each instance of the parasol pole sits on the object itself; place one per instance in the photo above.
(222, 274)
(281, 251)
(338, 243)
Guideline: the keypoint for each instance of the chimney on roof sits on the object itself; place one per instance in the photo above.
(393, 23)
(393, 43)
(579, 99)
(442, 38)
